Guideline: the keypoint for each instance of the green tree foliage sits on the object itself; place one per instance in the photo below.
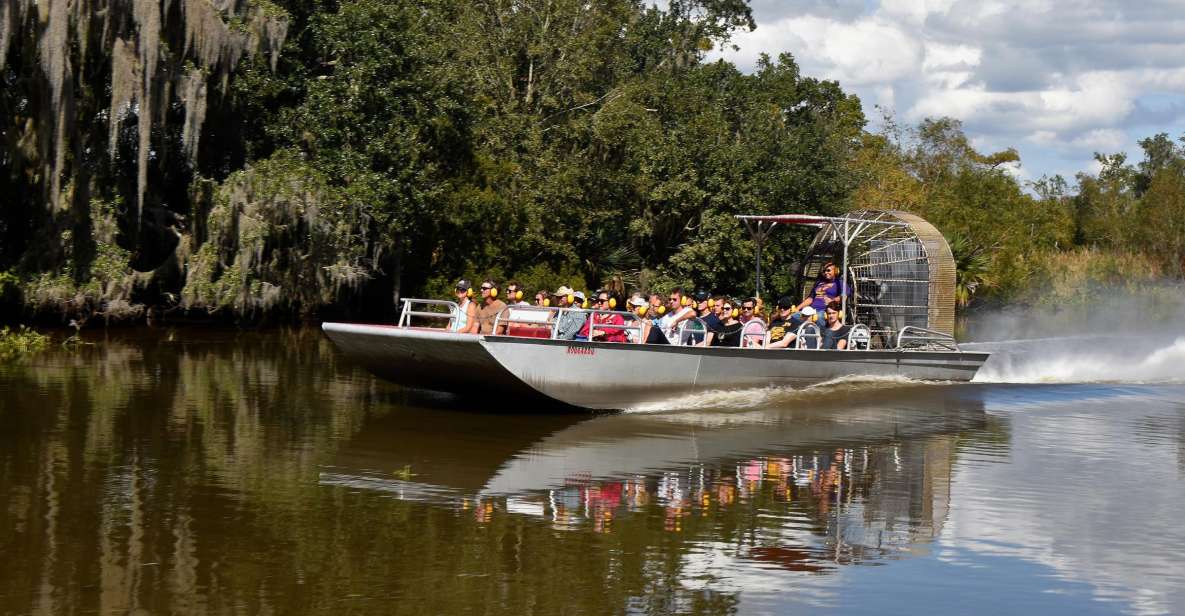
(1128, 207)
(291, 158)
(993, 224)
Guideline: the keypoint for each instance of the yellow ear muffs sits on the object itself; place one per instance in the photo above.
(683, 301)
(661, 310)
(736, 312)
(517, 295)
(641, 311)
(469, 292)
(546, 302)
(584, 304)
(711, 303)
(494, 292)
(571, 298)
(612, 303)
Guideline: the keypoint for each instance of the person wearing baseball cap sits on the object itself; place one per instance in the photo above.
(781, 328)
(639, 306)
(466, 321)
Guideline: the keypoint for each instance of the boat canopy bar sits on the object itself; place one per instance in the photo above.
(846, 229)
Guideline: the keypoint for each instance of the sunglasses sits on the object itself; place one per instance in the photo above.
(485, 288)
(727, 307)
(746, 307)
(602, 300)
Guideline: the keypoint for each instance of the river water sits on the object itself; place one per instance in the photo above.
(186, 471)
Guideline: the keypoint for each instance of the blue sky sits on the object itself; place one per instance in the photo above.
(1056, 79)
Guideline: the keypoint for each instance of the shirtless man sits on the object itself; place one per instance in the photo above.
(490, 307)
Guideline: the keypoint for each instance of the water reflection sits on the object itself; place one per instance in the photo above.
(174, 472)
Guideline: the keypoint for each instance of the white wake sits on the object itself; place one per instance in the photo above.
(1098, 359)
(765, 397)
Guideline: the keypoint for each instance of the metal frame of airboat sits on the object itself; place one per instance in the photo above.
(888, 254)
(536, 364)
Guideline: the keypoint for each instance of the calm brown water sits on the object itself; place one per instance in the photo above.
(211, 472)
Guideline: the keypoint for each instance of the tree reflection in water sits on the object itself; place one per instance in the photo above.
(232, 472)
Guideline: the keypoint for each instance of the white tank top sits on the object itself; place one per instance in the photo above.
(462, 316)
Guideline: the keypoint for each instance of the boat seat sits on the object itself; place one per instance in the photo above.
(859, 337)
(754, 334)
(528, 331)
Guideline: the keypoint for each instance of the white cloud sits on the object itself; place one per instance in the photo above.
(1057, 79)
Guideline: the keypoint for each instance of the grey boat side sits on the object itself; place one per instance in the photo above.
(599, 375)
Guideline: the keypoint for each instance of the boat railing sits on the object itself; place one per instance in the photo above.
(631, 323)
(419, 308)
(859, 337)
(692, 332)
(809, 330)
(754, 334)
(548, 318)
(912, 337)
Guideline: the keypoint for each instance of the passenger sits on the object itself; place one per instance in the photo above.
(542, 299)
(826, 290)
(678, 311)
(748, 310)
(572, 318)
(466, 322)
(655, 313)
(490, 307)
(729, 333)
(712, 318)
(657, 306)
(640, 307)
(704, 313)
(835, 333)
(608, 334)
(515, 295)
(781, 329)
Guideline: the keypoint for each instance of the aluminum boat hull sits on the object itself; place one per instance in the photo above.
(598, 375)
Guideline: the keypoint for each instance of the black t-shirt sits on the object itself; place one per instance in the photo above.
(728, 335)
(778, 328)
(831, 338)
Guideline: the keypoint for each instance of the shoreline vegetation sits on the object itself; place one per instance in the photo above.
(19, 342)
(284, 161)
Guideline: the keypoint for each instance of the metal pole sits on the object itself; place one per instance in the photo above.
(760, 241)
(844, 281)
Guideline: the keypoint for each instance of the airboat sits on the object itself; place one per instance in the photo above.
(900, 307)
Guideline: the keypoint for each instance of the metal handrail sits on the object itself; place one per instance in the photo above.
(556, 313)
(802, 335)
(912, 336)
(763, 334)
(859, 335)
(407, 312)
(684, 336)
